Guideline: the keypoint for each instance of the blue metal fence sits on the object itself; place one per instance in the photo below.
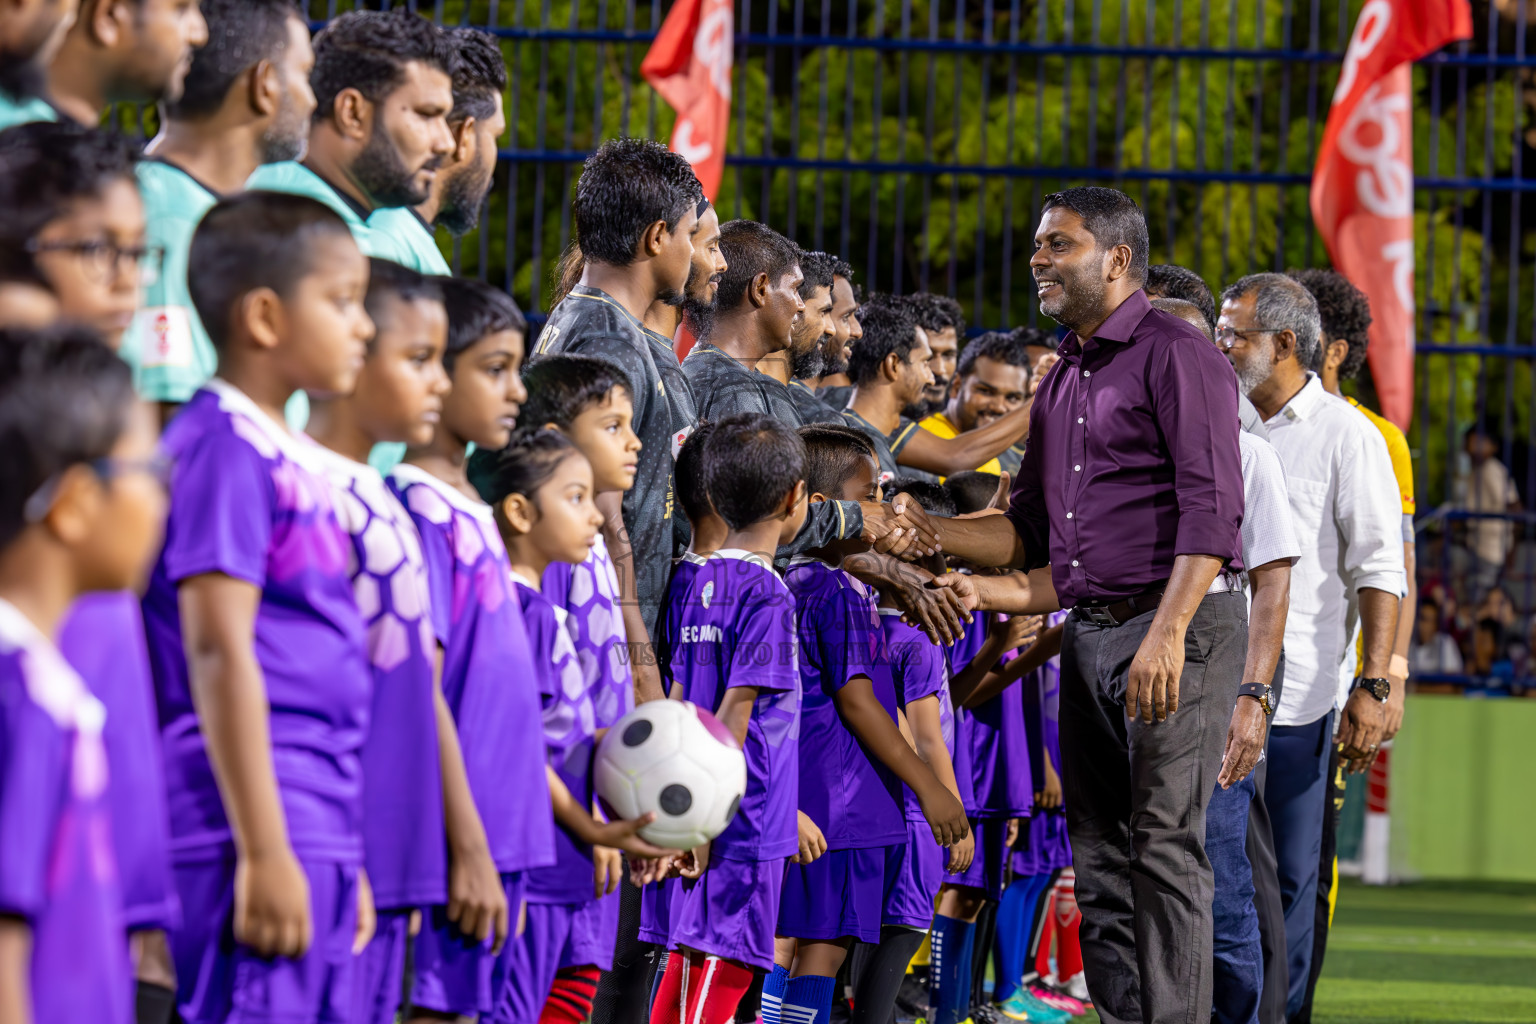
(917, 137)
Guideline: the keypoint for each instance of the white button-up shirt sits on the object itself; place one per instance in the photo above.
(1348, 517)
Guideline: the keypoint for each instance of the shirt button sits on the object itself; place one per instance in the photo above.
(1077, 469)
(1069, 515)
(1085, 373)
(1079, 419)
(1074, 563)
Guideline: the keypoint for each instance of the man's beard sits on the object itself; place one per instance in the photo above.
(1080, 300)
(463, 198)
(21, 79)
(698, 315)
(382, 174)
(829, 365)
(1256, 371)
(287, 138)
(922, 409)
(808, 362)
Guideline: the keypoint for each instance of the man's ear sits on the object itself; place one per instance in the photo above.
(108, 21)
(954, 386)
(653, 240)
(757, 291)
(465, 141)
(1285, 345)
(1335, 352)
(1117, 262)
(352, 114)
(265, 88)
(890, 367)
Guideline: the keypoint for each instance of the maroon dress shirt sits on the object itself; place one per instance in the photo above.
(1132, 458)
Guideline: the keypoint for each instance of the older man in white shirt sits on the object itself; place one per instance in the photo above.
(1350, 577)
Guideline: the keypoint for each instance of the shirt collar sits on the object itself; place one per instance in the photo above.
(743, 555)
(358, 209)
(1121, 324)
(1304, 402)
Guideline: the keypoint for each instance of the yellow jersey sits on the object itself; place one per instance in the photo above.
(939, 425)
(1397, 448)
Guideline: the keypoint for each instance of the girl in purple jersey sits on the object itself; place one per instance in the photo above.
(82, 505)
(541, 489)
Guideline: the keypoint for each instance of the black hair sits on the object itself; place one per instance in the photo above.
(750, 249)
(751, 462)
(241, 34)
(626, 186)
(475, 310)
(833, 453)
(522, 467)
(819, 269)
(479, 73)
(45, 166)
(936, 312)
(1170, 281)
(688, 475)
(562, 387)
(253, 240)
(1494, 628)
(1345, 313)
(971, 491)
(842, 268)
(1111, 217)
(387, 279)
(368, 51)
(997, 346)
(1035, 337)
(64, 400)
(931, 495)
(1432, 601)
(888, 327)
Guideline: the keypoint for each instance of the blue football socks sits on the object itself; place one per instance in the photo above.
(1015, 928)
(807, 1000)
(773, 994)
(949, 976)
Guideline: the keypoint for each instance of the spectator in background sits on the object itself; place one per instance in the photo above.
(1487, 488)
(30, 34)
(1433, 651)
(991, 380)
(123, 51)
(1167, 281)
(834, 386)
(814, 336)
(942, 319)
(1490, 655)
(1498, 606)
(1036, 342)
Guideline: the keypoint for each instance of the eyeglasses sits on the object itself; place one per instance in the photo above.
(107, 468)
(1225, 336)
(105, 260)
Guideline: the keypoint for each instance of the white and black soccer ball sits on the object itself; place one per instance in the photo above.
(674, 758)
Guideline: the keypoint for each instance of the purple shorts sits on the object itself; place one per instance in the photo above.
(986, 870)
(220, 980)
(454, 973)
(919, 874)
(380, 973)
(841, 893)
(1043, 845)
(731, 911)
(659, 906)
(557, 935)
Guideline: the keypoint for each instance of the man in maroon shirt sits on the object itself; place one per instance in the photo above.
(1131, 490)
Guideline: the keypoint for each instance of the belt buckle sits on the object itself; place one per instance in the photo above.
(1099, 615)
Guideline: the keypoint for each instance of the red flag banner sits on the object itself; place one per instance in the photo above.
(689, 64)
(1362, 186)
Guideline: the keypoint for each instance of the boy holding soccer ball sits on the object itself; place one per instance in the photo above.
(732, 643)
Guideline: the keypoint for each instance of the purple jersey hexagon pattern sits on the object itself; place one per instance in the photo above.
(590, 593)
(403, 840)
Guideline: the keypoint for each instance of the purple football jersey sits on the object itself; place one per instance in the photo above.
(682, 574)
(56, 864)
(920, 669)
(250, 501)
(1047, 847)
(590, 593)
(999, 747)
(403, 838)
(569, 726)
(731, 622)
(486, 661)
(102, 638)
(854, 799)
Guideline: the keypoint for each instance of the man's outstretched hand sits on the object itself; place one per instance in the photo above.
(900, 528)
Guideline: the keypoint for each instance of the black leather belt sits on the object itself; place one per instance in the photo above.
(1118, 613)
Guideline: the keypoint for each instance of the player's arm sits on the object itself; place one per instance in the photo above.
(1012, 593)
(735, 711)
(868, 720)
(928, 740)
(1270, 585)
(1045, 647)
(1004, 636)
(218, 618)
(1397, 673)
(947, 456)
(581, 823)
(937, 611)
(15, 971)
(477, 902)
(642, 657)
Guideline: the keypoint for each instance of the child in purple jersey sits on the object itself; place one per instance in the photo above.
(398, 398)
(496, 803)
(541, 488)
(588, 401)
(82, 504)
(732, 644)
(852, 757)
(258, 649)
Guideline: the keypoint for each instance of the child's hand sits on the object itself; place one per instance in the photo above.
(272, 905)
(812, 843)
(367, 917)
(1011, 836)
(607, 869)
(1019, 630)
(945, 814)
(624, 835)
(645, 870)
(1049, 796)
(961, 855)
(477, 903)
(695, 862)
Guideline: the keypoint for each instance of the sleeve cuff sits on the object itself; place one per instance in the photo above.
(1392, 581)
(850, 519)
(1202, 533)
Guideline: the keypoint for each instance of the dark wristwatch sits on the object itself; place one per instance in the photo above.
(1263, 692)
(1379, 688)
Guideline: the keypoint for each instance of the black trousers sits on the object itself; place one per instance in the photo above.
(1136, 795)
(1266, 891)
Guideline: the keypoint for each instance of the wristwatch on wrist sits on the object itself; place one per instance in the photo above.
(1262, 692)
(1379, 688)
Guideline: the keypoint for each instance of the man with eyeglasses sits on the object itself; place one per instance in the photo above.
(1350, 575)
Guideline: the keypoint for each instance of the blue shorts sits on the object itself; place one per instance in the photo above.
(220, 980)
(558, 935)
(841, 893)
(986, 870)
(659, 905)
(919, 873)
(455, 973)
(379, 976)
(731, 910)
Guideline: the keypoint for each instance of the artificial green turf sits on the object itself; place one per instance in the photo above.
(1429, 953)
